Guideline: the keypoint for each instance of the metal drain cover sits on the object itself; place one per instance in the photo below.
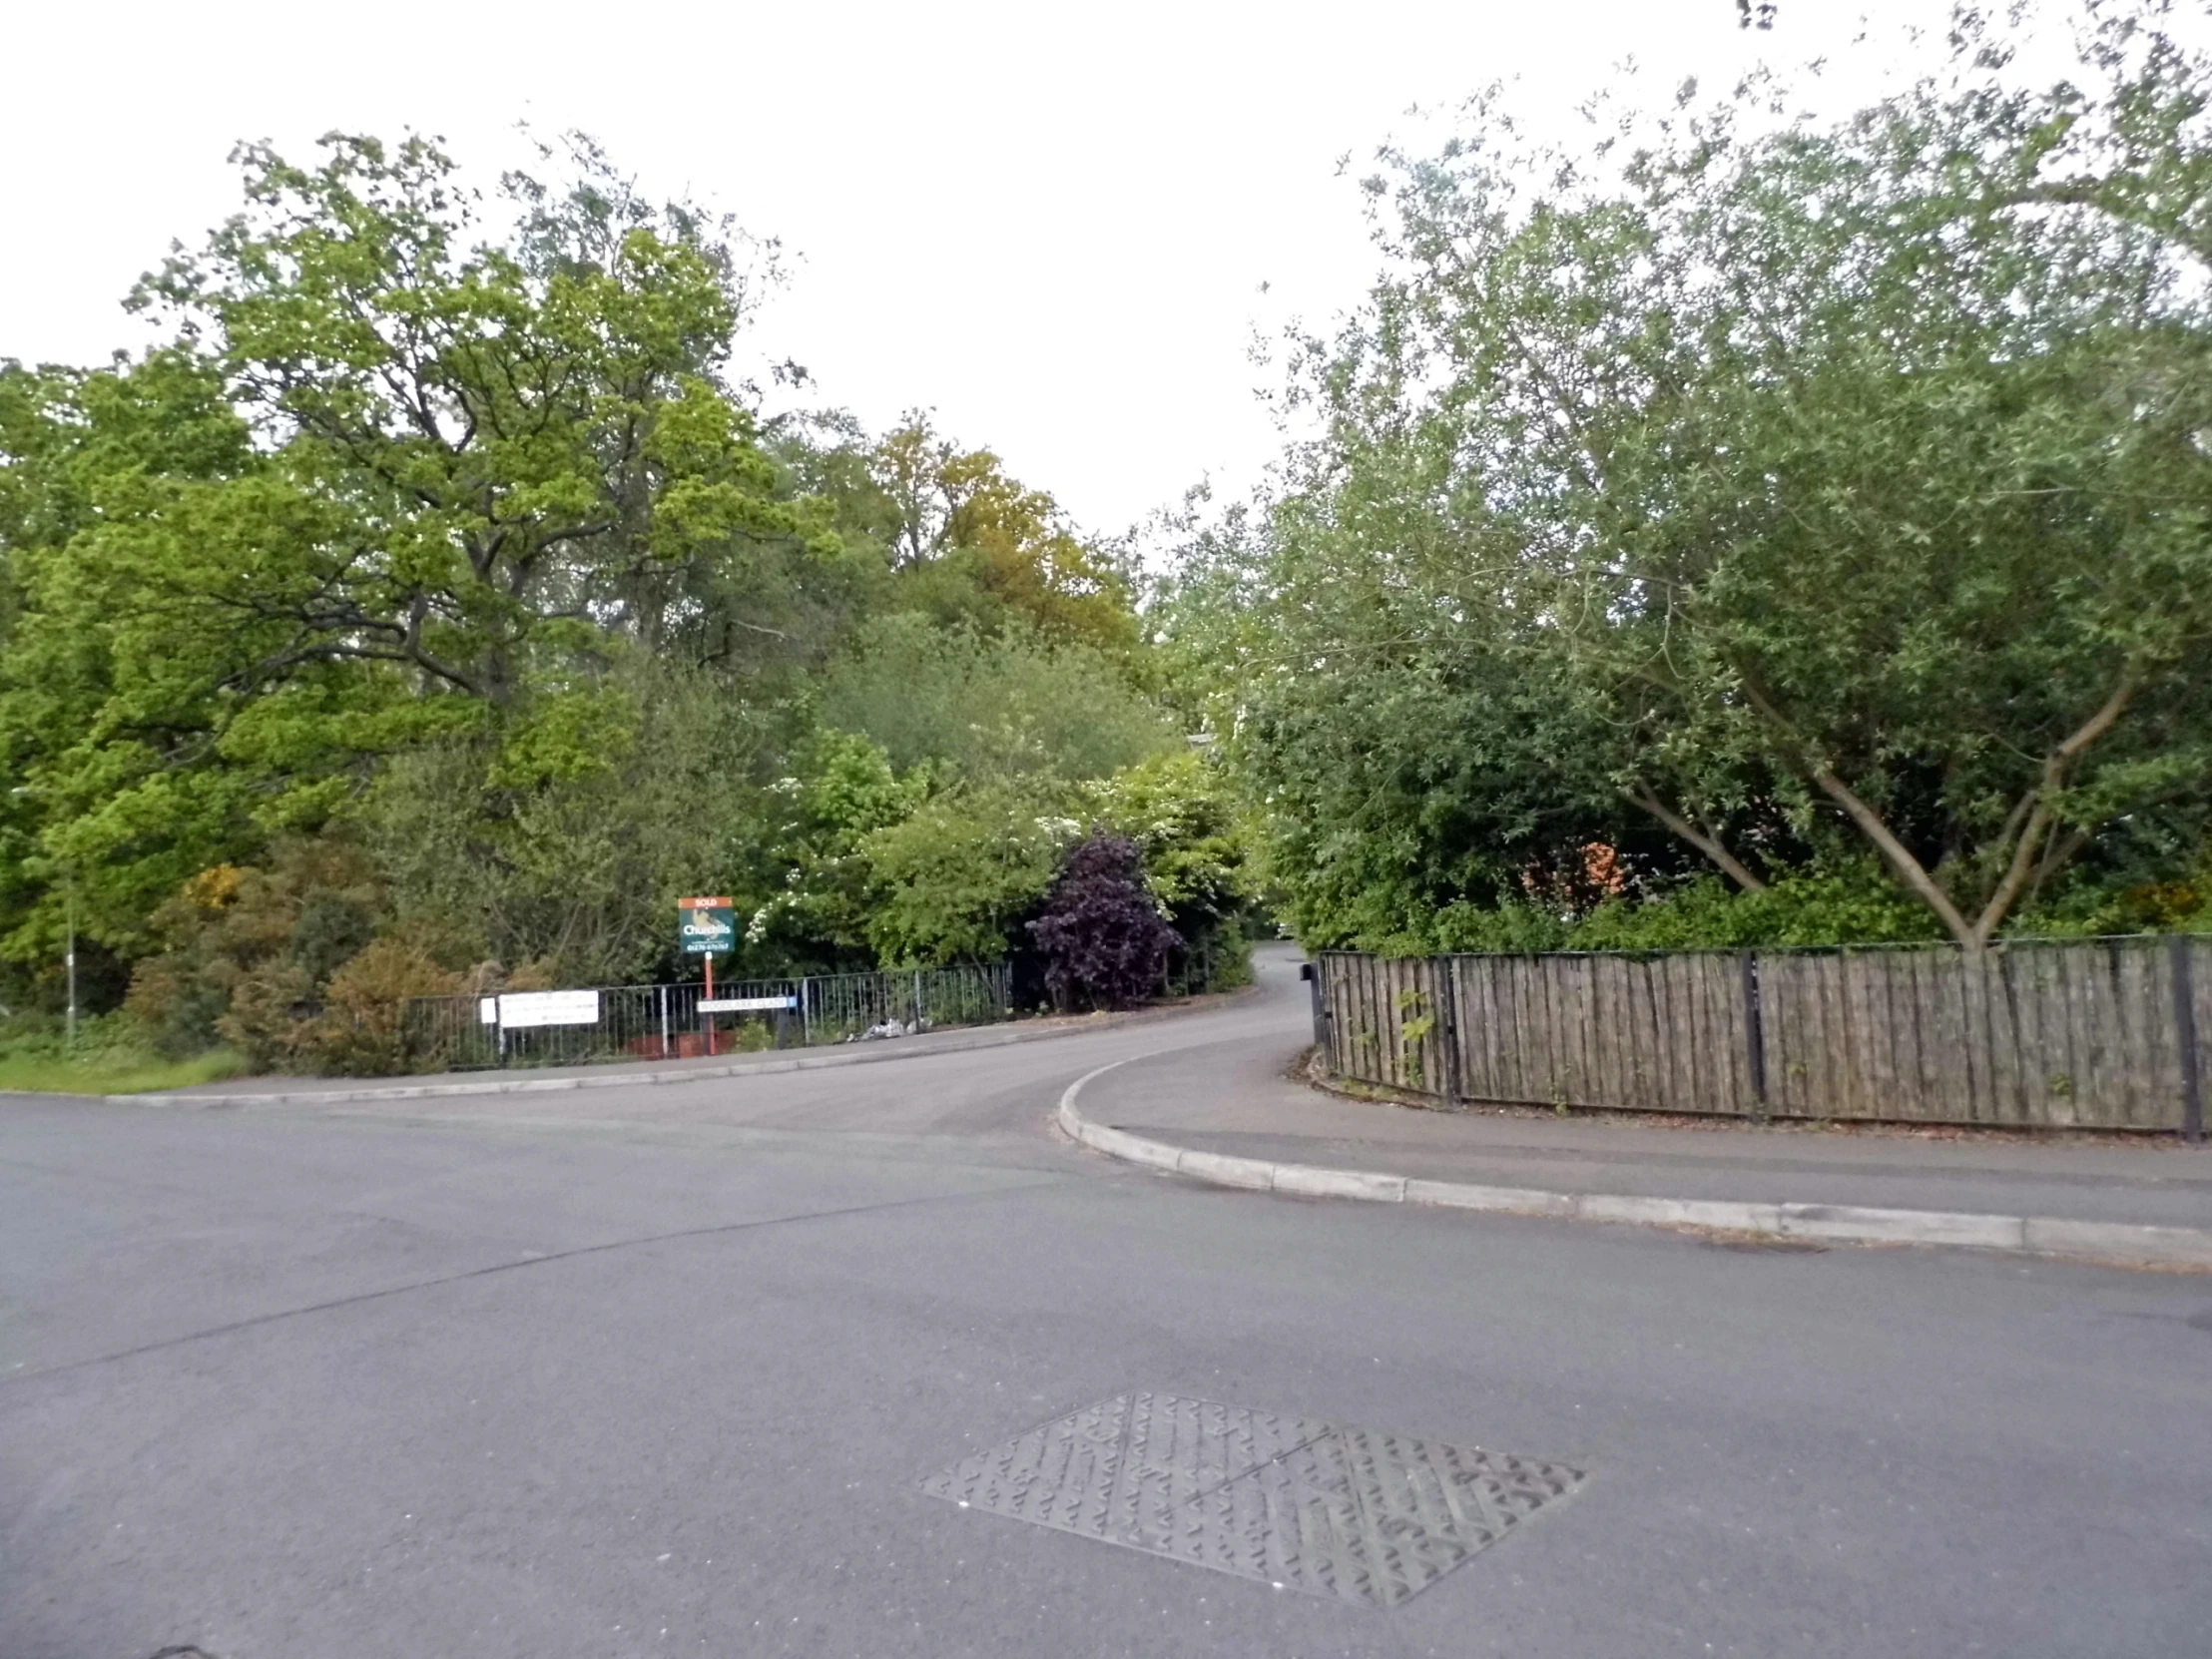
(1298, 1503)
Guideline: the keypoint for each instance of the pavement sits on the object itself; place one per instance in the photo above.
(695, 1368)
(1232, 1099)
(276, 1090)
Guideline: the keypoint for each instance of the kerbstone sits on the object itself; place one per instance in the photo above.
(1339, 1183)
(1854, 1224)
(1512, 1201)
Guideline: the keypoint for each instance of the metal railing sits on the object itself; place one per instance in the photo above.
(654, 1022)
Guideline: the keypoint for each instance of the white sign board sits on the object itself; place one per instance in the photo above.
(745, 1004)
(519, 1009)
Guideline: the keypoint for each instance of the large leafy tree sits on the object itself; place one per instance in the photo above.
(1835, 486)
(967, 542)
(395, 478)
(522, 438)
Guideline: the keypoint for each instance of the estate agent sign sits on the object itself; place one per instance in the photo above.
(707, 926)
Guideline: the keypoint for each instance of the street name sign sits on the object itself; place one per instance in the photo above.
(745, 1004)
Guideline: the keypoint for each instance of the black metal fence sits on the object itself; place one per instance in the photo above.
(2083, 1034)
(652, 1022)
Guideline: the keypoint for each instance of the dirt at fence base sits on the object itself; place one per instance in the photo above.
(1310, 1070)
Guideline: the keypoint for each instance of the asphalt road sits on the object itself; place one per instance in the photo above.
(662, 1372)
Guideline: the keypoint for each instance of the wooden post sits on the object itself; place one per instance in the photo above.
(1447, 1024)
(2185, 1039)
(1311, 973)
(1755, 1036)
(708, 1019)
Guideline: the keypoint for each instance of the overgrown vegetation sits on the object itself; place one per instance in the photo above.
(110, 1056)
(433, 609)
(1753, 528)
(1750, 529)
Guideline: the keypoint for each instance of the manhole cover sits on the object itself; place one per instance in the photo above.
(1300, 1504)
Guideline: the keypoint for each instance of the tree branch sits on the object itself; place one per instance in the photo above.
(1708, 844)
(1868, 823)
(2044, 814)
(1909, 869)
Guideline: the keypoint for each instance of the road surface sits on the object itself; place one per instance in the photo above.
(709, 1367)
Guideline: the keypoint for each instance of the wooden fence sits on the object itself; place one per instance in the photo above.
(2094, 1033)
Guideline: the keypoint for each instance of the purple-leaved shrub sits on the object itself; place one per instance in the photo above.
(1101, 935)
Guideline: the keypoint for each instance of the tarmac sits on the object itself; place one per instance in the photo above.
(1227, 1113)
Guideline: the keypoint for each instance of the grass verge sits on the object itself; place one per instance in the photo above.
(111, 1072)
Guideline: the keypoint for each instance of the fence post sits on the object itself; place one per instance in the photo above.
(806, 1016)
(919, 1010)
(1311, 973)
(1755, 1036)
(2185, 1038)
(1447, 975)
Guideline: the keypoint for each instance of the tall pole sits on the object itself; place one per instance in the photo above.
(709, 997)
(70, 962)
(2185, 1036)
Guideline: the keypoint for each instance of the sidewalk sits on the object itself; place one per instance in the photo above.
(1233, 1100)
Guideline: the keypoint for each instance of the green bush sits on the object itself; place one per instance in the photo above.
(988, 706)
(1852, 905)
(951, 883)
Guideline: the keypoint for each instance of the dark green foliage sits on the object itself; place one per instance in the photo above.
(1781, 506)
(1103, 940)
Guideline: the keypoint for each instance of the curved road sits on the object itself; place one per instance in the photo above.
(694, 1368)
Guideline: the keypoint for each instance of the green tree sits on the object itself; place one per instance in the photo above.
(395, 482)
(978, 543)
(953, 881)
(1183, 815)
(1841, 487)
(984, 704)
(559, 851)
(526, 437)
(844, 792)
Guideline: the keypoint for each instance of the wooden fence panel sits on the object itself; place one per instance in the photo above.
(1788, 1016)
(2056, 1033)
(1660, 1034)
(1385, 1020)
(2200, 980)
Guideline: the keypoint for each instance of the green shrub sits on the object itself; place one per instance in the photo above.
(110, 1056)
(1851, 904)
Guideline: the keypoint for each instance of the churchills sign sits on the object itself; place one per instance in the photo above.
(707, 926)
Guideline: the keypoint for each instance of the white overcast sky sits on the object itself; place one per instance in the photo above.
(1050, 223)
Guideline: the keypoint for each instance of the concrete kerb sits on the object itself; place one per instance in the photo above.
(843, 1055)
(2107, 1243)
